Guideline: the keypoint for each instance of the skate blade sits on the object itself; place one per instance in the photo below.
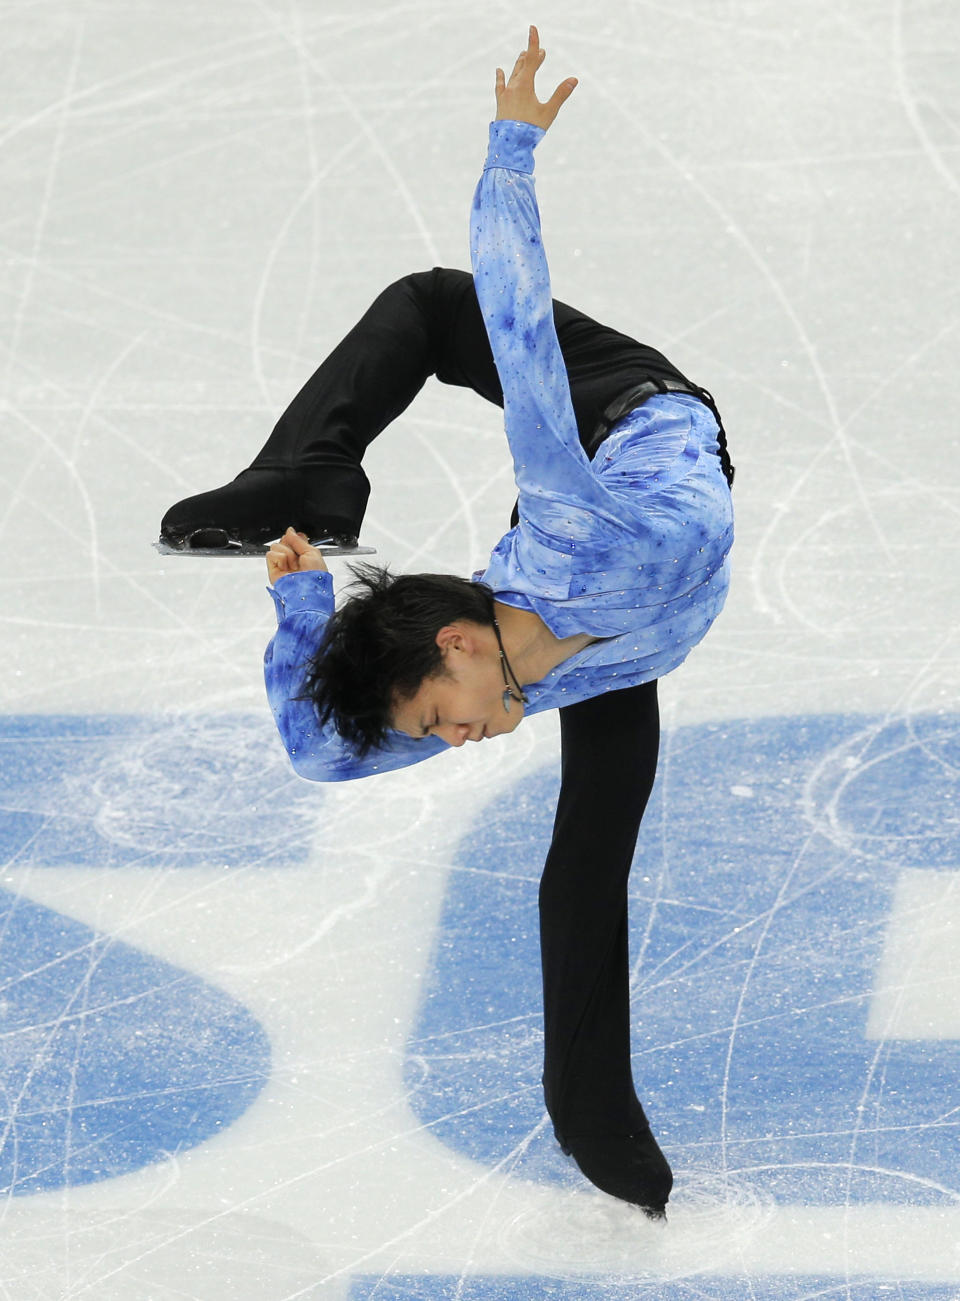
(259, 549)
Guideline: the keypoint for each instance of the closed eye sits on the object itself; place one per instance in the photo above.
(425, 731)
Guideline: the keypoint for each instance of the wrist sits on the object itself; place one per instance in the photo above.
(512, 142)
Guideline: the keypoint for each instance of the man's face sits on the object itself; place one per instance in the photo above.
(465, 703)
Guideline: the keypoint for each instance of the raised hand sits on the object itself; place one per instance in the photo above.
(292, 554)
(517, 98)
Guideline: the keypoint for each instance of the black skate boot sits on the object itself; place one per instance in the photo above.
(628, 1166)
(258, 506)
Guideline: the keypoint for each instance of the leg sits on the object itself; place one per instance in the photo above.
(309, 471)
(609, 759)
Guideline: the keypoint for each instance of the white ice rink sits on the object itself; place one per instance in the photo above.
(264, 1040)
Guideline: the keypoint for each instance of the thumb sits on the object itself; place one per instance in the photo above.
(563, 93)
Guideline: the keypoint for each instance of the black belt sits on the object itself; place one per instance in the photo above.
(630, 400)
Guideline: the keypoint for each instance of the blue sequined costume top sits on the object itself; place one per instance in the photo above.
(630, 547)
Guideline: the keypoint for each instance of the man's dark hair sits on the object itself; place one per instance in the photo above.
(381, 644)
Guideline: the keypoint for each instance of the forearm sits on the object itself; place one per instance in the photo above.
(513, 288)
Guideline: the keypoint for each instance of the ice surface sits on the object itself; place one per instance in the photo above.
(263, 1040)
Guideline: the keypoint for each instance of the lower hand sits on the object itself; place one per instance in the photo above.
(517, 99)
(292, 555)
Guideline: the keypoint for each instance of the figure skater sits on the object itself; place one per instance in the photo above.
(613, 569)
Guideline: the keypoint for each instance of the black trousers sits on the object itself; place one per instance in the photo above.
(309, 473)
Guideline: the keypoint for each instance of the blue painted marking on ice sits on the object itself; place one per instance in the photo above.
(759, 898)
(526, 1288)
(110, 1059)
(174, 792)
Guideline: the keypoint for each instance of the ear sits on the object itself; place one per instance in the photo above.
(452, 636)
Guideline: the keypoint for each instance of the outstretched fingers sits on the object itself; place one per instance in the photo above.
(517, 97)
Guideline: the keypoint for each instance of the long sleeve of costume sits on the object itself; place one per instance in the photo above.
(304, 603)
(513, 288)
